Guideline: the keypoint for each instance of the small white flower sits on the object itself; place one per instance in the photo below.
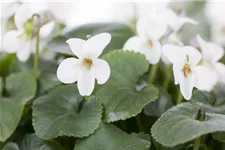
(87, 67)
(150, 29)
(185, 69)
(22, 41)
(211, 54)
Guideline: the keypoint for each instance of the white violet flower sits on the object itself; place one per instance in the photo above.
(87, 67)
(150, 29)
(22, 41)
(185, 69)
(211, 54)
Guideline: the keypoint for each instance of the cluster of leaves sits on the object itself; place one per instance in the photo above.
(43, 114)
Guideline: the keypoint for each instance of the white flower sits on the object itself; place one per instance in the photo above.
(22, 41)
(211, 54)
(185, 69)
(150, 29)
(87, 67)
(214, 12)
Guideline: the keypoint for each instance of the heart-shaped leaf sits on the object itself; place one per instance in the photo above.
(11, 146)
(108, 137)
(161, 105)
(179, 125)
(32, 142)
(120, 34)
(210, 103)
(20, 89)
(119, 96)
(64, 112)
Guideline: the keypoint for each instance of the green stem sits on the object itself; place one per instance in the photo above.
(168, 76)
(197, 143)
(153, 72)
(35, 67)
(179, 98)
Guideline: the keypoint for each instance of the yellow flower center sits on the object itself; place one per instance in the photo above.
(150, 44)
(88, 62)
(186, 69)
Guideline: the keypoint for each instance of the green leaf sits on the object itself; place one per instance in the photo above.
(220, 136)
(209, 102)
(120, 34)
(179, 125)
(108, 137)
(10, 114)
(119, 96)
(64, 112)
(20, 89)
(11, 146)
(32, 142)
(5, 62)
(161, 105)
(47, 81)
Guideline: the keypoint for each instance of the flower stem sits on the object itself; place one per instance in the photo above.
(197, 143)
(35, 67)
(179, 98)
(167, 77)
(153, 71)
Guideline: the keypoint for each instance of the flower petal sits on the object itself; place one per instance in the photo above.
(76, 46)
(96, 44)
(194, 55)
(47, 29)
(173, 53)
(186, 84)
(134, 43)
(24, 54)
(152, 52)
(221, 71)
(68, 70)
(204, 78)
(210, 51)
(176, 72)
(12, 42)
(102, 71)
(86, 81)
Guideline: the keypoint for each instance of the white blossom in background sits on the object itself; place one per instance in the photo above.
(185, 69)
(211, 54)
(214, 12)
(88, 66)
(150, 28)
(7, 10)
(22, 41)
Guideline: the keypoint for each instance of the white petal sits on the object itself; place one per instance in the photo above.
(25, 11)
(152, 53)
(186, 84)
(221, 71)
(47, 29)
(151, 27)
(177, 68)
(8, 9)
(68, 70)
(24, 54)
(204, 78)
(86, 81)
(194, 55)
(174, 53)
(134, 43)
(96, 44)
(210, 51)
(102, 71)
(12, 42)
(77, 46)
